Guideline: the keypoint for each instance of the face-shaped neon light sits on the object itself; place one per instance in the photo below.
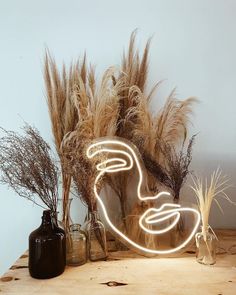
(151, 216)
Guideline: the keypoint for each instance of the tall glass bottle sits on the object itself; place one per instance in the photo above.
(65, 219)
(96, 235)
(65, 222)
(47, 250)
(77, 252)
(206, 247)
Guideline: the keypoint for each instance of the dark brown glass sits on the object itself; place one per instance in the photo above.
(47, 249)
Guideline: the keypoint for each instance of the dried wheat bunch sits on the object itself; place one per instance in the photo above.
(27, 166)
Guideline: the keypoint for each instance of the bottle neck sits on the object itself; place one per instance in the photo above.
(54, 218)
(205, 228)
(47, 219)
(94, 216)
(75, 227)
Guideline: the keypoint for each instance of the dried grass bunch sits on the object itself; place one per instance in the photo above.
(168, 125)
(136, 120)
(150, 131)
(28, 168)
(97, 107)
(82, 170)
(173, 172)
(83, 109)
(133, 73)
(62, 111)
(97, 110)
(206, 192)
(80, 111)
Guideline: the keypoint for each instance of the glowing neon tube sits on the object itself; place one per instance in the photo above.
(158, 215)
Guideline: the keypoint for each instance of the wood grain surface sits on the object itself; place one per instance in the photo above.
(128, 273)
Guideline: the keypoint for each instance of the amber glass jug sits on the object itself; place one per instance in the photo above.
(47, 249)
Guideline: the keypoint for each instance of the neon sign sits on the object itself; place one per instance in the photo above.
(152, 216)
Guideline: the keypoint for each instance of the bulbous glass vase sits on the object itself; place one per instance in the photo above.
(77, 251)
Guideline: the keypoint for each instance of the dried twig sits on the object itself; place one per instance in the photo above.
(27, 166)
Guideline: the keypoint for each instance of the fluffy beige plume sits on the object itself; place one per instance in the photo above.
(172, 120)
(98, 109)
(134, 71)
(134, 66)
(141, 122)
(59, 89)
(107, 105)
(137, 122)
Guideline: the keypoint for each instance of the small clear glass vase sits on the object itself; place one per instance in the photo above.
(206, 243)
(76, 246)
(96, 238)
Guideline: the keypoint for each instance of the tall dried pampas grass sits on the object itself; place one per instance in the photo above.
(63, 114)
(98, 110)
(145, 128)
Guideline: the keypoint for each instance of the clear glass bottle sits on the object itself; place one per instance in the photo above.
(96, 235)
(206, 246)
(76, 246)
(64, 219)
(64, 222)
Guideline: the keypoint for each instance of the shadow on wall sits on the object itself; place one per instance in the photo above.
(203, 166)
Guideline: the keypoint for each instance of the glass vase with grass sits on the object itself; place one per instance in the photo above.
(206, 243)
(206, 192)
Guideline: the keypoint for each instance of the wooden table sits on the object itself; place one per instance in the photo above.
(131, 274)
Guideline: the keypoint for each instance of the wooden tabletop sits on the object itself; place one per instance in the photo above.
(126, 273)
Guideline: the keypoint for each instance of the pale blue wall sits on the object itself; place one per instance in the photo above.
(194, 48)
